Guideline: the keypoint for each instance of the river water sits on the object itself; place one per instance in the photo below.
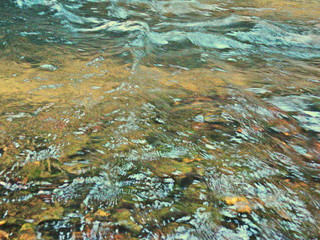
(146, 119)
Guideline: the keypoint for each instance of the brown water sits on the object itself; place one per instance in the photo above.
(159, 119)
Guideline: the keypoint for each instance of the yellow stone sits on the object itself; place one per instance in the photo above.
(234, 200)
(3, 235)
(27, 236)
(240, 203)
(101, 213)
(188, 160)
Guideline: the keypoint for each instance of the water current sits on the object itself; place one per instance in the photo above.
(147, 119)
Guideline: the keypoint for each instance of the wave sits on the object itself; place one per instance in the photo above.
(146, 24)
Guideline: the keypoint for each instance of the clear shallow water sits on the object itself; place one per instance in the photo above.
(159, 119)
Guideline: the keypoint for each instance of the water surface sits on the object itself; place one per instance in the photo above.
(159, 119)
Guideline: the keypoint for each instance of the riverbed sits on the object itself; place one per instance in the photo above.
(145, 119)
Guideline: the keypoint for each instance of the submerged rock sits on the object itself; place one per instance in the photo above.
(126, 220)
(3, 235)
(240, 204)
(48, 67)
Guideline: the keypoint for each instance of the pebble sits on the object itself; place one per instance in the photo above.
(48, 67)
